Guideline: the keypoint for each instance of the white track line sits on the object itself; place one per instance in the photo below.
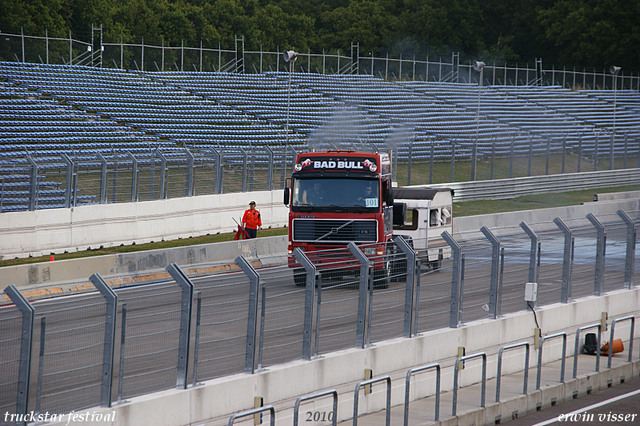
(582, 410)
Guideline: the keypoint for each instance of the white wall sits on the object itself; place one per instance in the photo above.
(42, 232)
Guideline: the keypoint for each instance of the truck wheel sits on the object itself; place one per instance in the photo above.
(300, 277)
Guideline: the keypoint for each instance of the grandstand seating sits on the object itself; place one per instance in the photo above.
(83, 112)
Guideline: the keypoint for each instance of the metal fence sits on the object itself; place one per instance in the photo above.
(55, 182)
(188, 55)
(83, 344)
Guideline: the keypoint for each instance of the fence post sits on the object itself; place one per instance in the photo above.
(109, 337)
(186, 309)
(134, 177)
(631, 249)
(308, 300)
(601, 247)
(69, 180)
(103, 178)
(270, 170)
(362, 293)
(455, 312)
(495, 290)
(244, 169)
(163, 175)
(33, 183)
(567, 263)
(189, 184)
(219, 158)
(252, 317)
(533, 253)
(24, 369)
(410, 287)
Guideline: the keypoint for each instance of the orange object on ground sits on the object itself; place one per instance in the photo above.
(617, 347)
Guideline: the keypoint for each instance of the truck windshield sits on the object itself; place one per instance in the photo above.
(341, 194)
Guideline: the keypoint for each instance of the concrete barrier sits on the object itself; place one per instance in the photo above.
(80, 269)
(43, 232)
(220, 398)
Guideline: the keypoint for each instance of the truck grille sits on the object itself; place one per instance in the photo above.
(335, 230)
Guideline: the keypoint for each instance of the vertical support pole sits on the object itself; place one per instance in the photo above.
(453, 159)
(43, 334)
(455, 312)
(244, 169)
(598, 287)
(26, 333)
(33, 183)
(186, 310)
(114, 191)
(362, 293)
(533, 255)
(134, 177)
(410, 287)
(219, 158)
(163, 174)
(579, 152)
(123, 339)
(494, 292)
(270, 165)
(103, 178)
(69, 180)
(631, 249)
(564, 153)
(567, 263)
(196, 343)
(310, 268)
(189, 184)
(409, 163)
(252, 317)
(109, 337)
(511, 155)
(433, 148)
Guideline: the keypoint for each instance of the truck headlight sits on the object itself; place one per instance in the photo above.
(370, 250)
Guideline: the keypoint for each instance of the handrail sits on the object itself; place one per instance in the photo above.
(370, 382)
(575, 354)
(455, 379)
(314, 396)
(407, 385)
(564, 353)
(272, 412)
(526, 367)
(613, 327)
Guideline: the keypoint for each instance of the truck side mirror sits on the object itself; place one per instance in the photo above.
(387, 193)
(286, 196)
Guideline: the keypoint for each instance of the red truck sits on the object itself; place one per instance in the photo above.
(336, 197)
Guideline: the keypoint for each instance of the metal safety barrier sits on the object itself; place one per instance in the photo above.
(564, 352)
(334, 409)
(526, 367)
(456, 369)
(356, 398)
(407, 385)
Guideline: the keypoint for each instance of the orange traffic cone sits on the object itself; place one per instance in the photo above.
(616, 347)
(51, 259)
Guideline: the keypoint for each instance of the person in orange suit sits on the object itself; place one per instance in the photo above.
(251, 220)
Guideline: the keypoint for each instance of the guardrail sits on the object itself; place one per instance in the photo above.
(502, 189)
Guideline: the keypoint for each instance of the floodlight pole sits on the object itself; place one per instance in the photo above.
(614, 71)
(289, 56)
(478, 66)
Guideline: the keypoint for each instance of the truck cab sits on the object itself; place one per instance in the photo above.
(336, 197)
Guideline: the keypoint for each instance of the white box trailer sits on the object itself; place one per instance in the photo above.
(421, 215)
